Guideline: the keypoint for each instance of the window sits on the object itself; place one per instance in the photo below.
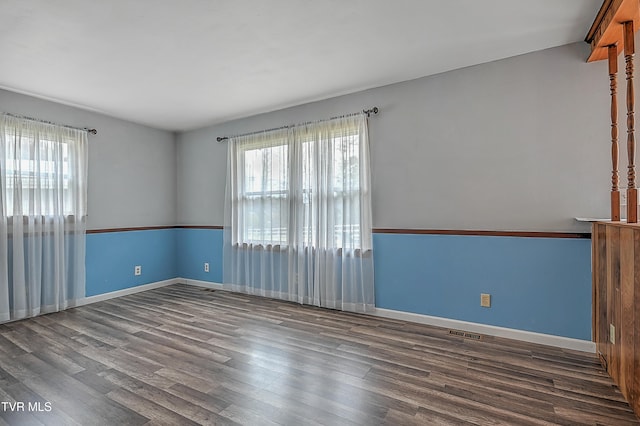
(340, 156)
(300, 187)
(298, 215)
(264, 197)
(42, 171)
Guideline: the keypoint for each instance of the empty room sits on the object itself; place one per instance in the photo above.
(319, 212)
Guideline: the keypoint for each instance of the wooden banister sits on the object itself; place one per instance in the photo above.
(616, 256)
(632, 192)
(613, 84)
(612, 32)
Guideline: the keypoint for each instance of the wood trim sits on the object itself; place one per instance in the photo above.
(199, 227)
(152, 228)
(606, 29)
(597, 22)
(139, 228)
(464, 232)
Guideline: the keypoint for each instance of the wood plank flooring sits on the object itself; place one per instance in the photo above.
(184, 355)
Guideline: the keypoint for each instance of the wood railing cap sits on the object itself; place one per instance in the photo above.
(606, 29)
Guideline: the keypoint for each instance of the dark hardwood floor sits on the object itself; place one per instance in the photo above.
(184, 355)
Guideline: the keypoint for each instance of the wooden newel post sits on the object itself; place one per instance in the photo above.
(632, 192)
(613, 84)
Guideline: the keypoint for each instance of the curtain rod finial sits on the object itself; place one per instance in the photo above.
(373, 110)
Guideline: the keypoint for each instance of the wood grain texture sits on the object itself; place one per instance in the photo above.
(470, 232)
(636, 363)
(616, 302)
(627, 314)
(185, 355)
(599, 271)
(613, 88)
(607, 28)
(612, 245)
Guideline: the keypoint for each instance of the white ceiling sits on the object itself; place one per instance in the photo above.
(184, 64)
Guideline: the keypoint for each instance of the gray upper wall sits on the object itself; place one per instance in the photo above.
(132, 168)
(517, 144)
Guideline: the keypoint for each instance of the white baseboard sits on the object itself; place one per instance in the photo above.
(491, 330)
(126, 291)
(199, 283)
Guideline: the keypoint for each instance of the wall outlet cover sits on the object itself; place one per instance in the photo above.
(485, 300)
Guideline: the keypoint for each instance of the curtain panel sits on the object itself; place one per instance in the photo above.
(298, 215)
(43, 204)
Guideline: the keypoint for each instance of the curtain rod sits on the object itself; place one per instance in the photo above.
(370, 111)
(92, 131)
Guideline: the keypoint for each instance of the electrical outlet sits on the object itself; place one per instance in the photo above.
(612, 334)
(206, 266)
(485, 300)
(623, 196)
(137, 270)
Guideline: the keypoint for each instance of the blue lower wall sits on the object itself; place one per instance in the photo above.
(195, 247)
(536, 284)
(112, 256)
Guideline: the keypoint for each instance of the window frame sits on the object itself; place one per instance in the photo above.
(304, 137)
(38, 171)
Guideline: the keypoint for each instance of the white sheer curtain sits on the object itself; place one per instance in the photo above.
(43, 198)
(298, 215)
